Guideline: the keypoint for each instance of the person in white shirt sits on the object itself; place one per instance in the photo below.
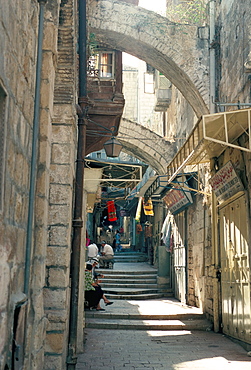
(92, 250)
(107, 254)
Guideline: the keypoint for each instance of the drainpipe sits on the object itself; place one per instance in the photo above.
(34, 154)
(77, 219)
(212, 55)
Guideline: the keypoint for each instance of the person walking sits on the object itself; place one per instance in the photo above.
(118, 245)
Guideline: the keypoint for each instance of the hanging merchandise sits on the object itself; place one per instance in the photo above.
(138, 212)
(138, 228)
(148, 229)
(148, 208)
(111, 211)
(166, 233)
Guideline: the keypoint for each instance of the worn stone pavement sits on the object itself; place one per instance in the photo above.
(154, 350)
(158, 350)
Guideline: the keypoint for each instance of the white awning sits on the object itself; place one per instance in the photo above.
(210, 137)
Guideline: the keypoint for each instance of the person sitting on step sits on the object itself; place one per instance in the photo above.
(96, 276)
(92, 250)
(107, 254)
(93, 291)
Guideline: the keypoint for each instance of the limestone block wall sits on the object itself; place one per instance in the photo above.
(61, 190)
(130, 91)
(139, 104)
(18, 41)
(38, 323)
(200, 258)
(180, 119)
(179, 54)
(199, 254)
(233, 50)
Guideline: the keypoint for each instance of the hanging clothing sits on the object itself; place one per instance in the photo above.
(111, 211)
(148, 208)
(138, 228)
(148, 231)
(138, 212)
(166, 232)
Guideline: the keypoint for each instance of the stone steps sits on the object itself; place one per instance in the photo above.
(149, 324)
(130, 257)
(140, 283)
(128, 285)
(115, 274)
(156, 308)
(127, 280)
(103, 320)
(136, 316)
(144, 296)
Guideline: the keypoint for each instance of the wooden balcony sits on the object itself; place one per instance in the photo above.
(106, 104)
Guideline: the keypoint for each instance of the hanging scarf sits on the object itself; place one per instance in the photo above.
(111, 211)
(148, 208)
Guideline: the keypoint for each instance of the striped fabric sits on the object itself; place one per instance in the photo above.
(148, 208)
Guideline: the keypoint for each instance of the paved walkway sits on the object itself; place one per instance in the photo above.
(158, 350)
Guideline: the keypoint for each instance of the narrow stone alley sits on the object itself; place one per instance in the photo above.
(140, 331)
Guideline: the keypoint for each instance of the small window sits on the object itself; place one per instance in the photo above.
(2, 142)
(106, 65)
(149, 68)
(102, 65)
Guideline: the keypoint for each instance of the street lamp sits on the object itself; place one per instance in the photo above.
(112, 147)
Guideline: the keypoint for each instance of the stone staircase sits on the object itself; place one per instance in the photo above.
(130, 257)
(120, 284)
(138, 302)
(129, 280)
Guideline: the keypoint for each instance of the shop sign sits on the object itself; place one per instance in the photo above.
(176, 200)
(226, 183)
(123, 213)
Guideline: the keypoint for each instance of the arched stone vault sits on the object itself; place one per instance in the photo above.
(146, 145)
(176, 52)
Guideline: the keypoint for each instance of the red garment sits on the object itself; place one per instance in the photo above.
(111, 211)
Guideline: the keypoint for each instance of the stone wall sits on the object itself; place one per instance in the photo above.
(60, 210)
(179, 54)
(47, 309)
(139, 104)
(233, 49)
(17, 70)
(199, 247)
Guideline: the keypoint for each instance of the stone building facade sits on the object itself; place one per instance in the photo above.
(35, 266)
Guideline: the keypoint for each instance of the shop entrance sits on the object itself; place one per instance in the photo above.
(235, 274)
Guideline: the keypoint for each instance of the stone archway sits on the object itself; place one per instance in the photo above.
(177, 53)
(146, 145)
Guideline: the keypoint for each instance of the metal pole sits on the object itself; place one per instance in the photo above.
(78, 221)
(34, 153)
(212, 55)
